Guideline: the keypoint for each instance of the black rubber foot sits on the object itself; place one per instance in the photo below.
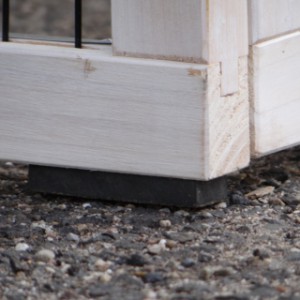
(126, 187)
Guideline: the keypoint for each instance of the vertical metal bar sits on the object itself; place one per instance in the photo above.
(5, 20)
(78, 19)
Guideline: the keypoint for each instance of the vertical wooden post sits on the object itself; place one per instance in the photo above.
(212, 32)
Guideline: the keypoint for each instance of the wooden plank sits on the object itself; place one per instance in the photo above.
(270, 18)
(275, 100)
(88, 109)
(168, 29)
(213, 31)
(226, 36)
(227, 123)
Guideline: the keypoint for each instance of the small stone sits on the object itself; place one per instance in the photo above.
(181, 237)
(102, 265)
(276, 202)
(105, 278)
(261, 192)
(221, 205)
(165, 223)
(86, 205)
(73, 237)
(205, 215)
(157, 248)
(62, 206)
(136, 260)
(223, 272)
(293, 255)
(22, 247)
(261, 253)
(45, 255)
(153, 277)
(165, 210)
(181, 213)
(188, 263)
(171, 244)
(237, 198)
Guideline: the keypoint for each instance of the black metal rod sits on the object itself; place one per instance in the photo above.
(78, 21)
(5, 20)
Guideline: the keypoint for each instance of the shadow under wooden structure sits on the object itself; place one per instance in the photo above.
(187, 93)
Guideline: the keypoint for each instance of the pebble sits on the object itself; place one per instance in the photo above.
(73, 237)
(165, 223)
(153, 277)
(136, 260)
(221, 205)
(276, 202)
(261, 192)
(86, 205)
(102, 265)
(188, 262)
(45, 255)
(261, 253)
(157, 248)
(237, 198)
(181, 213)
(22, 247)
(181, 237)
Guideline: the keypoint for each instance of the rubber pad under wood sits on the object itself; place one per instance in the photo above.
(126, 187)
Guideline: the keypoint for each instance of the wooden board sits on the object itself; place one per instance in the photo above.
(88, 109)
(275, 85)
(213, 31)
(270, 18)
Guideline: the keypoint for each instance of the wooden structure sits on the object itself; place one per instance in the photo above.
(189, 90)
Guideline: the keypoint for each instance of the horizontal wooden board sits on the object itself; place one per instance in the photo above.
(275, 84)
(270, 18)
(85, 108)
(211, 31)
(88, 109)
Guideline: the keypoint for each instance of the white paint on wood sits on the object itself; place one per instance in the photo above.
(88, 109)
(213, 31)
(275, 85)
(270, 18)
(228, 123)
(165, 29)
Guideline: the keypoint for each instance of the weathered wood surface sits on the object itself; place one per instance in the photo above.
(275, 101)
(88, 109)
(200, 31)
(270, 18)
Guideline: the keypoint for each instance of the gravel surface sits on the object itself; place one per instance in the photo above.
(247, 247)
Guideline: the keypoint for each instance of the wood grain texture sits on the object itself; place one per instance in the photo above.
(227, 123)
(270, 18)
(275, 96)
(88, 109)
(213, 31)
(165, 29)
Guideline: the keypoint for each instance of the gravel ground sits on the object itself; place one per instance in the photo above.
(247, 247)
(51, 247)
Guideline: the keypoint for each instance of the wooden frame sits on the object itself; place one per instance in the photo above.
(274, 73)
(169, 98)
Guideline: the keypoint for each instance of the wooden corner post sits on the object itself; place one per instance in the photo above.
(212, 36)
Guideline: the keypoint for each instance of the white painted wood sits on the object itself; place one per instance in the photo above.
(213, 31)
(225, 39)
(270, 18)
(88, 109)
(164, 29)
(227, 123)
(275, 101)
